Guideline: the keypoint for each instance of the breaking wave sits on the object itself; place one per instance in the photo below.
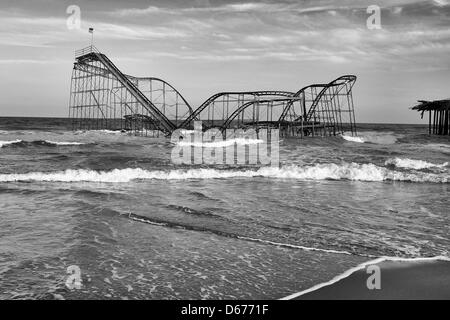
(7, 143)
(413, 164)
(372, 137)
(353, 139)
(219, 144)
(64, 143)
(330, 171)
(23, 143)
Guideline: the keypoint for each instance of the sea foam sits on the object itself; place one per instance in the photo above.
(5, 143)
(413, 164)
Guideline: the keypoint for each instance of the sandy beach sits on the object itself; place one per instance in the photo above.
(399, 280)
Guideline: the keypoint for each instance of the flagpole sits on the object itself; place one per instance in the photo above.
(91, 31)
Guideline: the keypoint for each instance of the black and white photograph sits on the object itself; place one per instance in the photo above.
(230, 157)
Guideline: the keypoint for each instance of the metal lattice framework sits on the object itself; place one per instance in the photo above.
(104, 98)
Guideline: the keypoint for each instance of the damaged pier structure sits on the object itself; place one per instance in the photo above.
(438, 115)
(104, 98)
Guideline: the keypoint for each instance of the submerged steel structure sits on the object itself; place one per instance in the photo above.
(104, 98)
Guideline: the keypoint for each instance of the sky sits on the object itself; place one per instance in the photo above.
(206, 46)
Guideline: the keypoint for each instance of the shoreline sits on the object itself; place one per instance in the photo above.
(400, 278)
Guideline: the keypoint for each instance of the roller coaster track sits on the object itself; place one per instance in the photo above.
(215, 97)
(164, 124)
(126, 102)
(300, 93)
(167, 84)
(94, 70)
(230, 119)
(346, 81)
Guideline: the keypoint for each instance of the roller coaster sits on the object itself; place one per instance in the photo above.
(104, 98)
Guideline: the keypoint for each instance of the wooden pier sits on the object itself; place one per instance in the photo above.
(438, 115)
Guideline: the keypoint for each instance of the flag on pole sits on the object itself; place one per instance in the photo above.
(91, 31)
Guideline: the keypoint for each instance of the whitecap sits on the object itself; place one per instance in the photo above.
(413, 164)
(353, 139)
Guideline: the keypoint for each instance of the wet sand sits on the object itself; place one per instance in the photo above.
(420, 279)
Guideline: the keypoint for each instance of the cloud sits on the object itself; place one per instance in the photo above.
(136, 32)
(442, 3)
(236, 43)
(139, 12)
(45, 32)
(32, 61)
(22, 61)
(286, 31)
(249, 6)
(334, 32)
(16, 30)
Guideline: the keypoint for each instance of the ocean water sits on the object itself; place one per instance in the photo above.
(139, 226)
